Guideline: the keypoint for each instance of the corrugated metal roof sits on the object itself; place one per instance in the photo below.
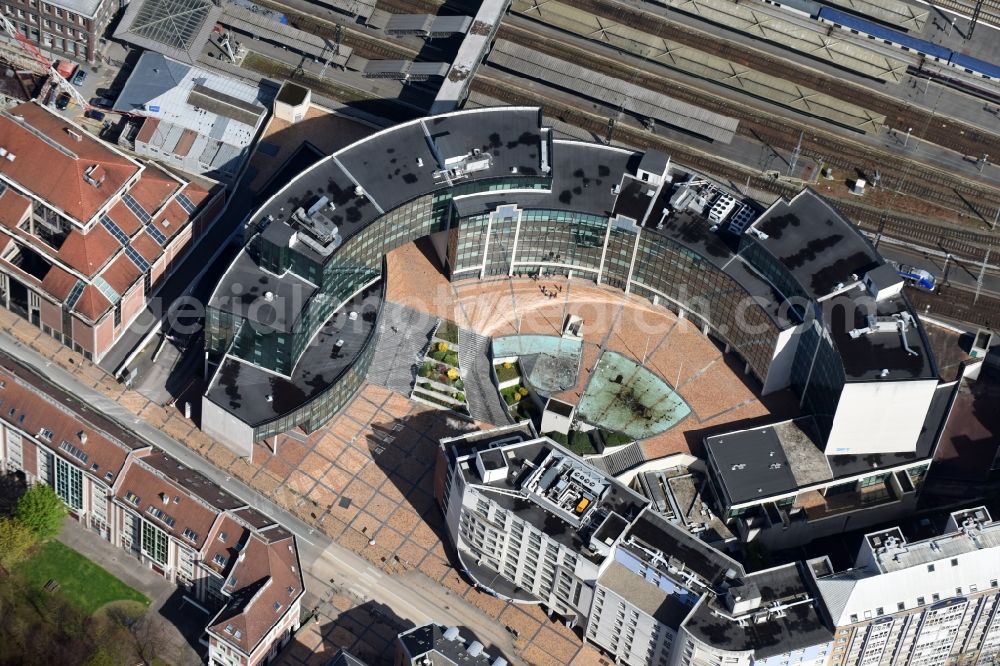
(225, 105)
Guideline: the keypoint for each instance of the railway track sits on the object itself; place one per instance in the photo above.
(363, 44)
(990, 12)
(898, 174)
(961, 137)
(966, 243)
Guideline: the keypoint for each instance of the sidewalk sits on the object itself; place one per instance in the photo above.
(165, 599)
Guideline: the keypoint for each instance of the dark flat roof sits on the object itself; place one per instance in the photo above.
(386, 163)
(865, 357)
(243, 389)
(822, 250)
(817, 245)
(802, 625)
(508, 493)
(244, 288)
(658, 533)
(751, 464)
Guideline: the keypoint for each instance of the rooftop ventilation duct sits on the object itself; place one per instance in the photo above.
(94, 175)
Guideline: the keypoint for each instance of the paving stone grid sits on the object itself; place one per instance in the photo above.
(369, 473)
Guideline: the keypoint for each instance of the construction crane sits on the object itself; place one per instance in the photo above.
(43, 61)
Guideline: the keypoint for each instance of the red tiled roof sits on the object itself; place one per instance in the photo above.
(235, 535)
(147, 130)
(153, 490)
(33, 411)
(58, 283)
(121, 274)
(154, 188)
(124, 218)
(268, 583)
(53, 174)
(13, 207)
(147, 247)
(175, 216)
(87, 253)
(195, 193)
(184, 143)
(92, 303)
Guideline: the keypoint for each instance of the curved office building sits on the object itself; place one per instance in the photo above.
(292, 327)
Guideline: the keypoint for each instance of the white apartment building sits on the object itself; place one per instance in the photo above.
(925, 603)
(533, 523)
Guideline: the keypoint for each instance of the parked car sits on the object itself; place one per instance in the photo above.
(79, 77)
(102, 102)
(62, 101)
(95, 114)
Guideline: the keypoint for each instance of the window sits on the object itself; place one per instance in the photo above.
(44, 433)
(920, 601)
(935, 597)
(930, 567)
(154, 542)
(131, 498)
(219, 559)
(190, 535)
(186, 203)
(118, 314)
(136, 258)
(136, 208)
(901, 606)
(69, 484)
(222, 537)
(74, 451)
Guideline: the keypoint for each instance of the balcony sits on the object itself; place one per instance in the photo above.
(818, 507)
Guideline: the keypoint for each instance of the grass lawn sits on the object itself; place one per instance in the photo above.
(80, 580)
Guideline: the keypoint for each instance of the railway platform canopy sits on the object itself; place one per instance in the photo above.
(427, 25)
(178, 29)
(474, 46)
(405, 70)
(797, 33)
(903, 15)
(185, 29)
(614, 92)
(710, 66)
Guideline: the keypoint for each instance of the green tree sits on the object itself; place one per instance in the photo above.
(102, 656)
(42, 511)
(16, 539)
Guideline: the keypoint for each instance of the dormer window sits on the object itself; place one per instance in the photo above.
(219, 559)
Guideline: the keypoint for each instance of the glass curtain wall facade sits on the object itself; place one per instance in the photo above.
(559, 242)
(818, 374)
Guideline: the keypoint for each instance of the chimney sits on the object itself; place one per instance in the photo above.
(73, 133)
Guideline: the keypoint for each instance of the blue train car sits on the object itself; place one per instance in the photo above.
(917, 277)
(987, 70)
(891, 37)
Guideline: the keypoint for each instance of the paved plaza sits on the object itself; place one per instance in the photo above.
(368, 474)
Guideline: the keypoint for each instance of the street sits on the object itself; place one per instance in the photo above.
(328, 567)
